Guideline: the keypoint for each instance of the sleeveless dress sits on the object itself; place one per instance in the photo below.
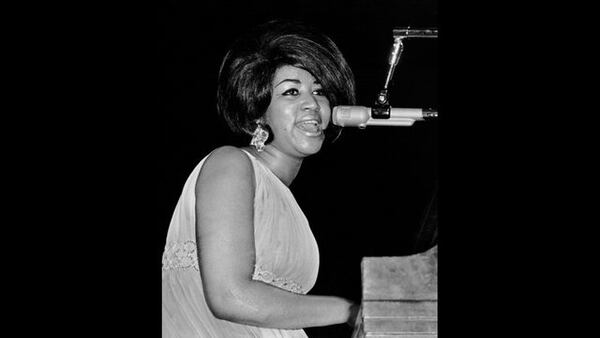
(287, 257)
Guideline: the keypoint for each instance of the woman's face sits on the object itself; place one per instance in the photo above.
(298, 113)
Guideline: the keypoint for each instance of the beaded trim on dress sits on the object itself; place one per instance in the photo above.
(282, 283)
(184, 256)
(180, 256)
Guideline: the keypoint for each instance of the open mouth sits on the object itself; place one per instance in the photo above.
(311, 127)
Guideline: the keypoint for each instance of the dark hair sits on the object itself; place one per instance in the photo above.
(247, 71)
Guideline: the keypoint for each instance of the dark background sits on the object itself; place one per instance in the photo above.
(114, 106)
(364, 195)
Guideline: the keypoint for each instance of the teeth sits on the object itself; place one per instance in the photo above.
(310, 125)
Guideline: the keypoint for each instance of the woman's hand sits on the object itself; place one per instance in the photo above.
(354, 315)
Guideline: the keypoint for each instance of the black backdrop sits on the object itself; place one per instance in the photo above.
(117, 106)
(364, 195)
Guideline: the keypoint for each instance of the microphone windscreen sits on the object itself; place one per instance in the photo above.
(350, 116)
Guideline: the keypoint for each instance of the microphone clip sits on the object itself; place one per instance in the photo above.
(381, 109)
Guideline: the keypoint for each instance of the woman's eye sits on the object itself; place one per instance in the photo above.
(319, 92)
(291, 91)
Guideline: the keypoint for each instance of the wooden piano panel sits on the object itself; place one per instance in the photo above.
(399, 297)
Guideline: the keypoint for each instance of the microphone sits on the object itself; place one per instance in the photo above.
(361, 117)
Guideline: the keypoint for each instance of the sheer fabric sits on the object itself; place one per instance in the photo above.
(287, 257)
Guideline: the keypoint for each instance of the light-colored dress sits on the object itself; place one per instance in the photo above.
(286, 257)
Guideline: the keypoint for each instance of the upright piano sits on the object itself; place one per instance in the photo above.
(399, 297)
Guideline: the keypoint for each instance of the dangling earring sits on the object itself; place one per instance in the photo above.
(259, 137)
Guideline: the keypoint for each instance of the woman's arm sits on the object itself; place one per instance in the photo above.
(225, 213)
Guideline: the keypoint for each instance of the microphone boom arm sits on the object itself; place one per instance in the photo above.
(398, 47)
(381, 108)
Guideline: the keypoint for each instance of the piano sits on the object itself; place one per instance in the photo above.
(399, 297)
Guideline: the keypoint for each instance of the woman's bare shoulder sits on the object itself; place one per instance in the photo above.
(227, 163)
(229, 156)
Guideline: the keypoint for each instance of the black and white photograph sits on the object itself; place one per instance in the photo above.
(224, 168)
(299, 168)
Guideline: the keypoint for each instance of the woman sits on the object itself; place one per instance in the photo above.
(240, 256)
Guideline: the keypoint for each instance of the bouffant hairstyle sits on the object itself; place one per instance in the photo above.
(246, 74)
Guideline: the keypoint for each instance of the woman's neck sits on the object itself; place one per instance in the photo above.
(285, 167)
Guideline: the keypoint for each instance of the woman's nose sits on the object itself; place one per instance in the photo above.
(310, 102)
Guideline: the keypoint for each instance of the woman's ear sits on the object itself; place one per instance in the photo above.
(251, 127)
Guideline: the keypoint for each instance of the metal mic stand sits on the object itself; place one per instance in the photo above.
(381, 109)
